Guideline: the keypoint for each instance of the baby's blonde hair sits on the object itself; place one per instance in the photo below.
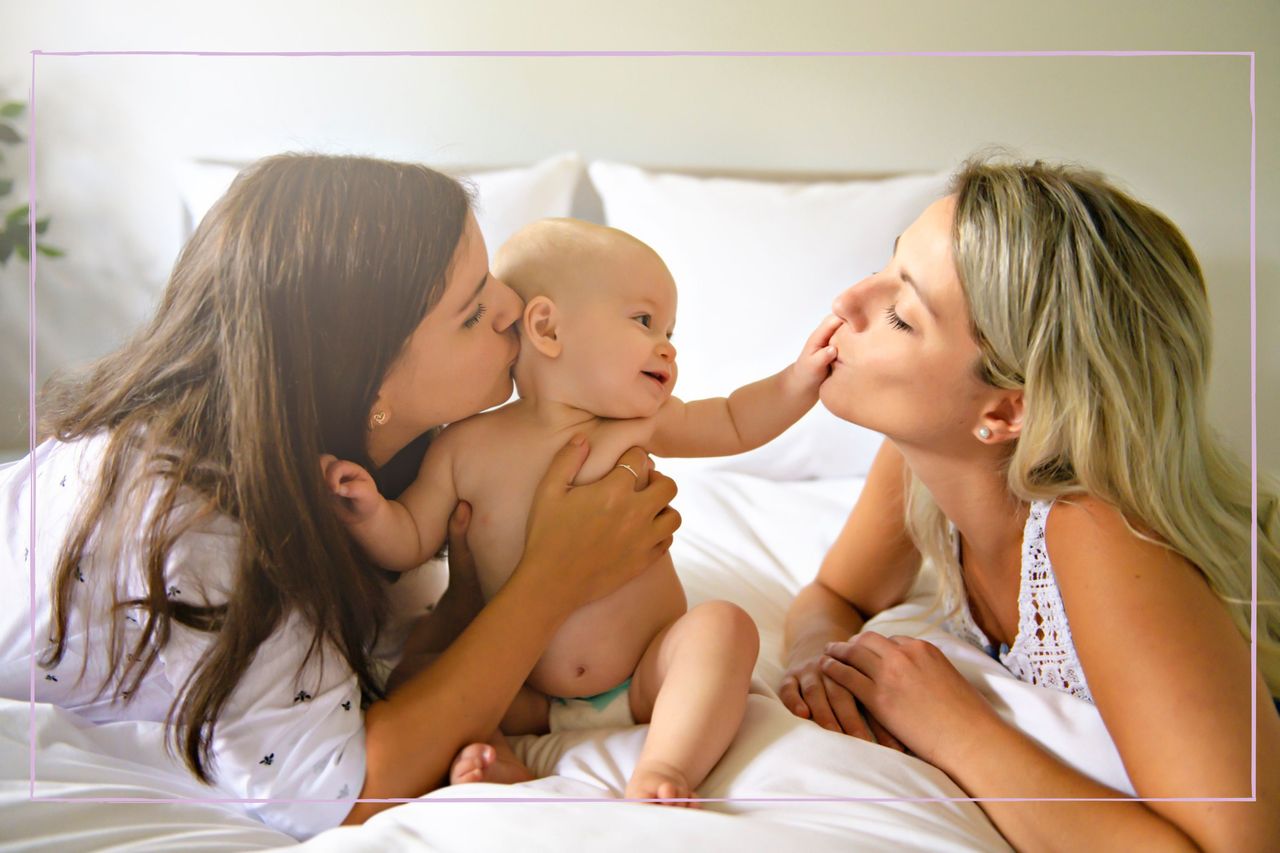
(548, 257)
(1093, 304)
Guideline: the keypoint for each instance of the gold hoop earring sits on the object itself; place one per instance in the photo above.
(377, 419)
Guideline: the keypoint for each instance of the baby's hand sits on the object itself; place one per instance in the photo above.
(356, 496)
(814, 364)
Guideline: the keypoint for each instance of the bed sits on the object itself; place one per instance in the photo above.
(766, 258)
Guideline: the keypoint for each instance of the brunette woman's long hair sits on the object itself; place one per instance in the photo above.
(283, 313)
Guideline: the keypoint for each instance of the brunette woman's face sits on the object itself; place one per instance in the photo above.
(458, 361)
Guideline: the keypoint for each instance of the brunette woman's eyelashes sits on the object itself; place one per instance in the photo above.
(894, 320)
(475, 318)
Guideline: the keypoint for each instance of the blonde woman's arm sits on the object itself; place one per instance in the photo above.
(1169, 673)
(870, 567)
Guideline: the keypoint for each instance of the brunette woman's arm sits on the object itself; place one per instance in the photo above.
(581, 543)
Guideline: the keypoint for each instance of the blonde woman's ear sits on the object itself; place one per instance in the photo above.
(1003, 419)
(540, 326)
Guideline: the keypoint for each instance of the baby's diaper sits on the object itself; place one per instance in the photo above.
(608, 710)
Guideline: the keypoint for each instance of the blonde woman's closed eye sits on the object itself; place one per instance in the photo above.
(894, 320)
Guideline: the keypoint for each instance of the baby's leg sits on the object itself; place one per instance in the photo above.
(488, 762)
(691, 685)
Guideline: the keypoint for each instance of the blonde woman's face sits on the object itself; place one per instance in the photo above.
(905, 357)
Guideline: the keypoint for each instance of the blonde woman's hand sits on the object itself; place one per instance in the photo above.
(356, 497)
(918, 693)
(811, 694)
(592, 539)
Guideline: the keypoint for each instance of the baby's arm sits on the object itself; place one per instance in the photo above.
(397, 534)
(751, 416)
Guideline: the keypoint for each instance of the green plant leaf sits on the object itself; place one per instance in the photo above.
(6, 248)
(17, 213)
(42, 225)
(9, 135)
(6, 186)
(12, 109)
(16, 232)
(24, 251)
(49, 251)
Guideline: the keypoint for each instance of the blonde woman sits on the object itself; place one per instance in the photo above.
(1036, 354)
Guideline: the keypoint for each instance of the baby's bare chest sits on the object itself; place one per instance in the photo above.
(500, 480)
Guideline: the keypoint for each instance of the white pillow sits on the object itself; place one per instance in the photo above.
(509, 199)
(758, 264)
(506, 199)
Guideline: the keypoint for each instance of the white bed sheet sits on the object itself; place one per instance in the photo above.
(745, 539)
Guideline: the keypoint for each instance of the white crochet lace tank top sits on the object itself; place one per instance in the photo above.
(1043, 652)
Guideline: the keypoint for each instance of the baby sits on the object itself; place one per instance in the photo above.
(596, 358)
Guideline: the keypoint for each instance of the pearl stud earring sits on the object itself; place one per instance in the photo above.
(984, 433)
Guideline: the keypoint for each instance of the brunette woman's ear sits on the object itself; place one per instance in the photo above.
(379, 414)
(540, 326)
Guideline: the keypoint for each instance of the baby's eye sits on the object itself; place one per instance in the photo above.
(644, 319)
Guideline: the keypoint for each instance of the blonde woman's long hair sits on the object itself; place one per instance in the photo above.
(1093, 304)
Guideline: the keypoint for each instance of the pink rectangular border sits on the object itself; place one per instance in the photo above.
(1253, 381)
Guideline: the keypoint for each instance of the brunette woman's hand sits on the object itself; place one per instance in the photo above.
(434, 631)
(590, 540)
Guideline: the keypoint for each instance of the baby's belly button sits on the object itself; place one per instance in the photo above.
(581, 674)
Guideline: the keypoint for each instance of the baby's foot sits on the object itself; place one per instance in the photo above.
(658, 781)
(479, 762)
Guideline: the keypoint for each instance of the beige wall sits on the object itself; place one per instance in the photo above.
(111, 130)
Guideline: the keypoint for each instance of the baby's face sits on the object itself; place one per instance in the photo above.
(617, 337)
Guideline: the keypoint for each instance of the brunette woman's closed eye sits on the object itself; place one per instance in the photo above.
(471, 321)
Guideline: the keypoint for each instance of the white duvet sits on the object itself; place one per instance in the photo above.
(783, 784)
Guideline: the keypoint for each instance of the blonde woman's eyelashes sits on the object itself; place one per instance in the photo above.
(894, 320)
(475, 317)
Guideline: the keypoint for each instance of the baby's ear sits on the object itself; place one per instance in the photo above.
(540, 326)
